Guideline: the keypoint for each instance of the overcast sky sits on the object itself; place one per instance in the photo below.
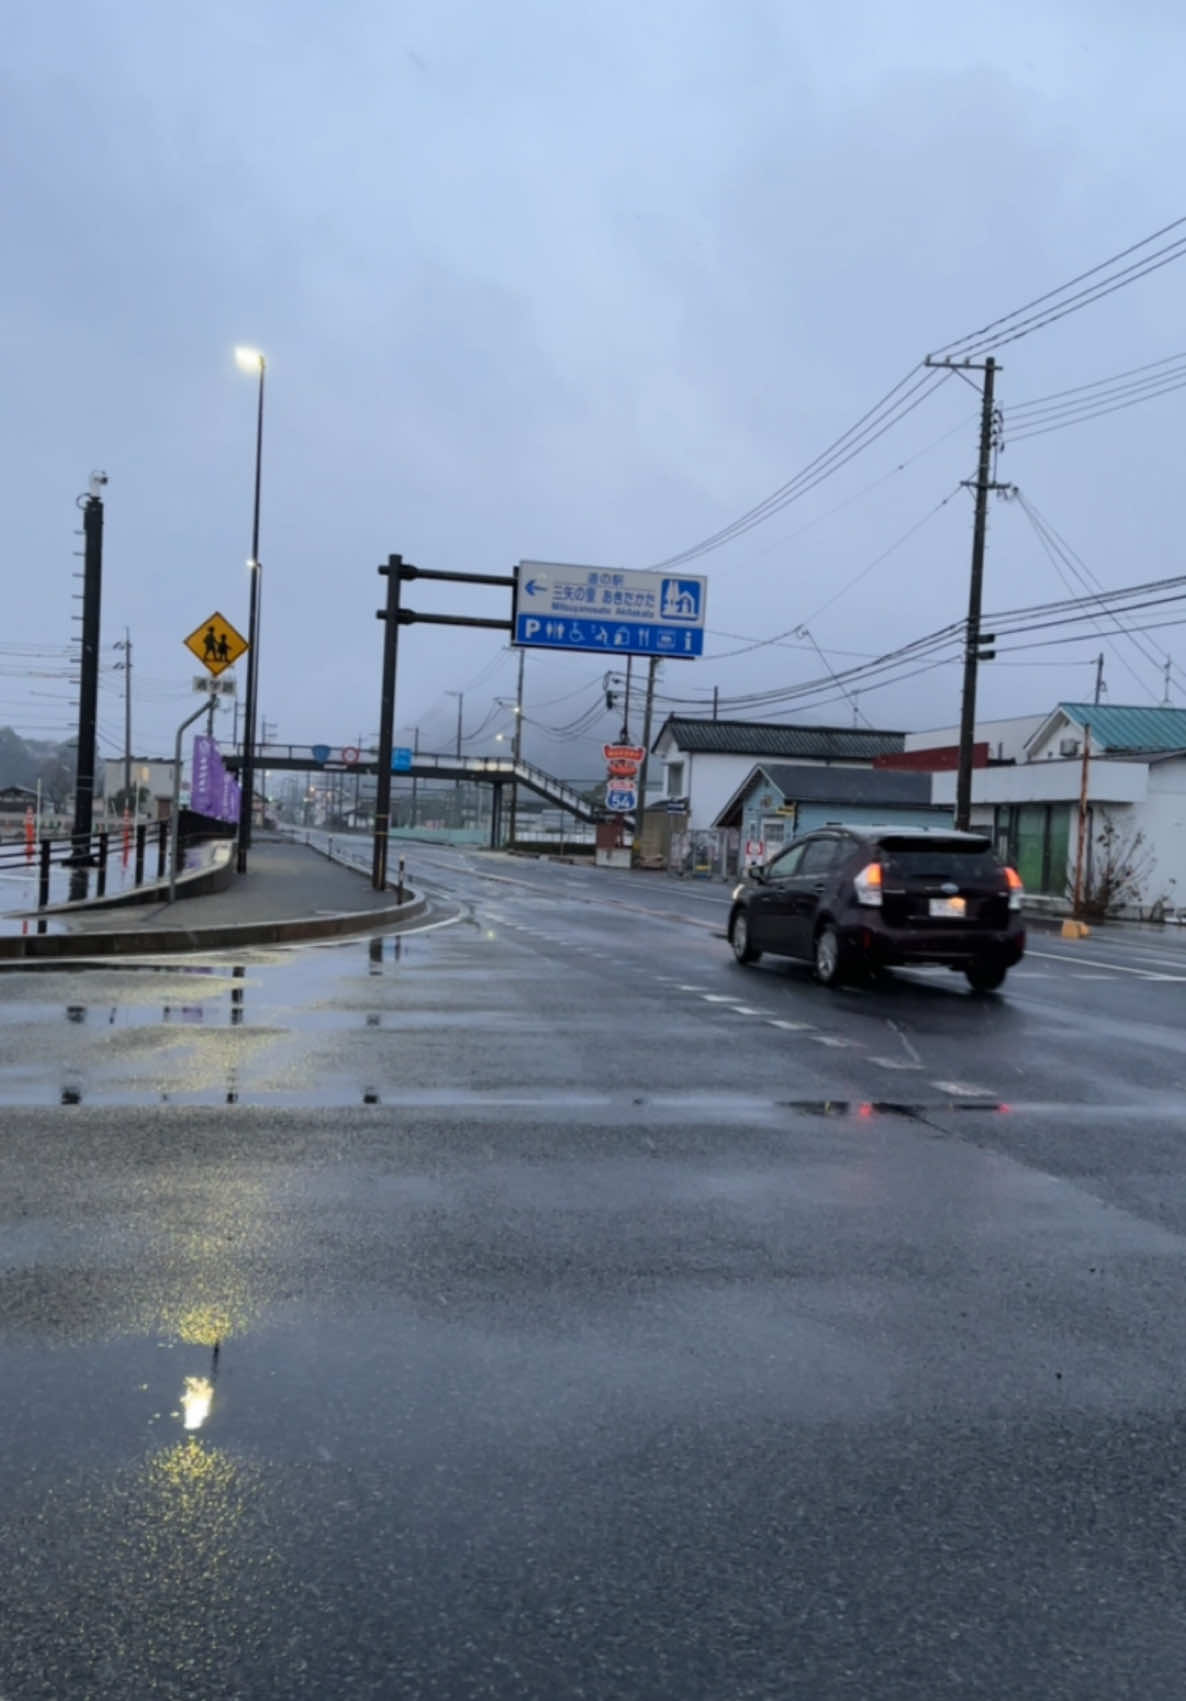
(565, 282)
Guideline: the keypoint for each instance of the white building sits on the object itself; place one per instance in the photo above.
(1006, 740)
(153, 774)
(707, 761)
(1111, 779)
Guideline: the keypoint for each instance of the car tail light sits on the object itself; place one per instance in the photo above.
(868, 885)
(1016, 888)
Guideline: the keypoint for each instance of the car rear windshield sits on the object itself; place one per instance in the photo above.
(962, 859)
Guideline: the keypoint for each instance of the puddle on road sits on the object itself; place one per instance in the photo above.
(865, 1108)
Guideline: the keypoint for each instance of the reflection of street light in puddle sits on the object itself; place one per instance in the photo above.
(196, 1401)
(197, 1396)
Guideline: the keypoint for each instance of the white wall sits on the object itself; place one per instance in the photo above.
(1162, 819)
(1006, 739)
(710, 781)
(1050, 782)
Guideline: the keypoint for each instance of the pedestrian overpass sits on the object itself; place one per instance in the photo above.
(494, 771)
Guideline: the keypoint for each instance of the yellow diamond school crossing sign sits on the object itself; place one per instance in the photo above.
(216, 644)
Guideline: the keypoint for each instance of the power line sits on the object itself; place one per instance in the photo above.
(872, 425)
(1040, 428)
(984, 336)
(1132, 373)
(1052, 541)
(1101, 280)
(791, 631)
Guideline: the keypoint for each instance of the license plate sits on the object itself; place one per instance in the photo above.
(949, 909)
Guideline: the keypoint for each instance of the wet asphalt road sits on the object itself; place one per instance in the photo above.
(594, 1318)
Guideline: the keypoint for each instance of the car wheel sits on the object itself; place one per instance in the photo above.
(985, 977)
(739, 939)
(828, 964)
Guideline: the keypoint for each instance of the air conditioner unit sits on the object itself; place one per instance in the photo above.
(1068, 746)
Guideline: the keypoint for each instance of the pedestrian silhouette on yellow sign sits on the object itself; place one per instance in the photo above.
(216, 644)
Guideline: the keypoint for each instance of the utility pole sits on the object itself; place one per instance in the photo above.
(1166, 670)
(648, 711)
(626, 706)
(716, 700)
(88, 693)
(972, 636)
(1099, 677)
(1080, 843)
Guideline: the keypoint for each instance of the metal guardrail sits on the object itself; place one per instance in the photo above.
(86, 856)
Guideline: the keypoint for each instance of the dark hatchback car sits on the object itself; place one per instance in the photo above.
(851, 900)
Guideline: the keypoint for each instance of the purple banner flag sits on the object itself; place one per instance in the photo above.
(213, 791)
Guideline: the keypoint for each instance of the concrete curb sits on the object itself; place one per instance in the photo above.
(155, 941)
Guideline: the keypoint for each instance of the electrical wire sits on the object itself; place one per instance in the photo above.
(872, 426)
(791, 631)
(1006, 325)
(1057, 548)
(1038, 427)
(1101, 280)
(1135, 374)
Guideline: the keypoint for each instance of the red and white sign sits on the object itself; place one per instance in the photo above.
(623, 760)
(351, 754)
(755, 852)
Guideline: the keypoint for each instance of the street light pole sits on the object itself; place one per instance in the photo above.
(460, 696)
(251, 360)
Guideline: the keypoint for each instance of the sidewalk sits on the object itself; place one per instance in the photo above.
(290, 892)
(284, 880)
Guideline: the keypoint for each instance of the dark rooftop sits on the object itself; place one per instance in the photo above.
(772, 738)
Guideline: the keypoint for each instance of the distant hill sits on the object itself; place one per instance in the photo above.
(24, 761)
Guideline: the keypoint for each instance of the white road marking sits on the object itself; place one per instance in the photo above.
(961, 1090)
(1096, 963)
(1081, 976)
(908, 1047)
(895, 1063)
(747, 1010)
(832, 1040)
(717, 997)
(686, 988)
(791, 1027)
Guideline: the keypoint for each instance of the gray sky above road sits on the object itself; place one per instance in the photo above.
(571, 283)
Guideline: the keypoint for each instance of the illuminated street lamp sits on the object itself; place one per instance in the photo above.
(251, 360)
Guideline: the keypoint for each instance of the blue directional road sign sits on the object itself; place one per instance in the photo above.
(401, 760)
(609, 610)
(321, 752)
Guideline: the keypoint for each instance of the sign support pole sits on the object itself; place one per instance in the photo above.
(393, 572)
(175, 806)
